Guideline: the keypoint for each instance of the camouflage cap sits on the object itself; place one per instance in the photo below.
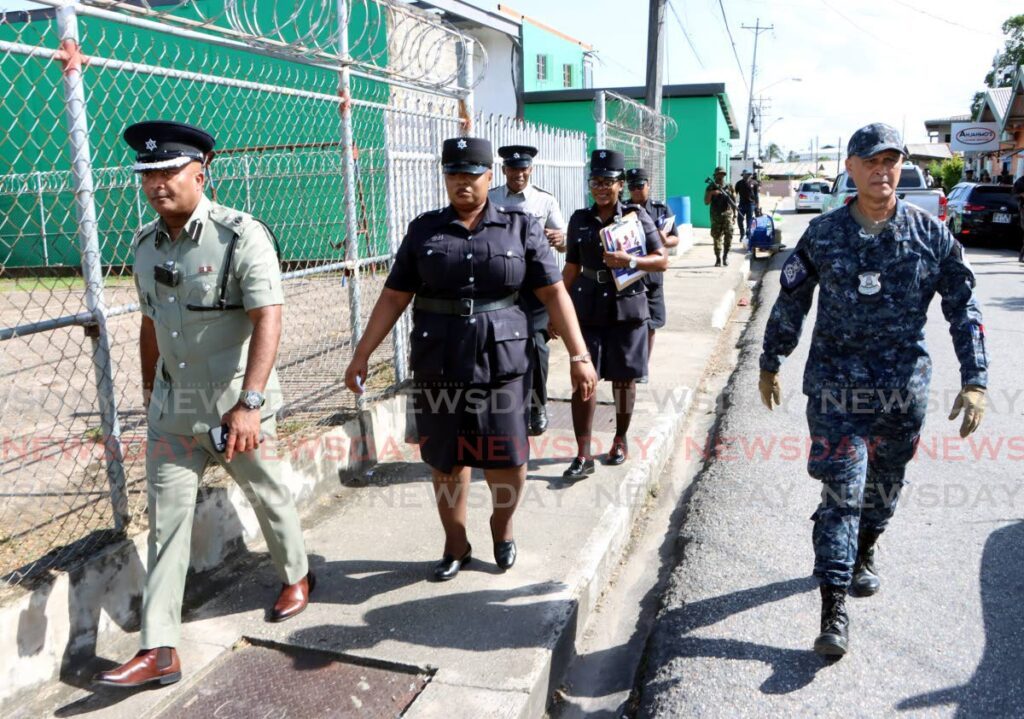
(877, 137)
(719, 170)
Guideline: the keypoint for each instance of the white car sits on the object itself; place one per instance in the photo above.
(811, 195)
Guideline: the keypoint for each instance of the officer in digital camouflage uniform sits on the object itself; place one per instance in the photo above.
(877, 262)
(722, 200)
(209, 287)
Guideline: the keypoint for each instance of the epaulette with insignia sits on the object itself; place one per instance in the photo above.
(145, 231)
(234, 220)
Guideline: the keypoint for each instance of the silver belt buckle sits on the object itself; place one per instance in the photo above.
(467, 306)
(602, 277)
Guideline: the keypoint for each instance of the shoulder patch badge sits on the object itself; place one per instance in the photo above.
(795, 271)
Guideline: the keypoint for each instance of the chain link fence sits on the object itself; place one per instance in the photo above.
(271, 82)
(637, 131)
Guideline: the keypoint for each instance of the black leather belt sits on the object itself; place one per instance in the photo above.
(465, 306)
(601, 277)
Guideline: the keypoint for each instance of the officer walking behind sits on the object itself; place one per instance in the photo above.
(519, 192)
(209, 288)
(464, 264)
(722, 199)
(613, 322)
(639, 184)
(877, 262)
(748, 192)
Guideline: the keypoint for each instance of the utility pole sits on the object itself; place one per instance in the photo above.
(655, 43)
(763, 104)
(839, 155)
(758, 29)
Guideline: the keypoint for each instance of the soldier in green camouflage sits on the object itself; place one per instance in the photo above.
(721, 197)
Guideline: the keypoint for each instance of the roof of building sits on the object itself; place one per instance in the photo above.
(520, 18)
(455, 11)
(705, 89)
(997, 99)
(937, 150)
(966, 117)
(788, 169)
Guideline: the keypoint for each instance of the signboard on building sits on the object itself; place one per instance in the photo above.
(974, 137)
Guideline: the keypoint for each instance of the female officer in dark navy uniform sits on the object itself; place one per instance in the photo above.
(614, 323)
(465, 264)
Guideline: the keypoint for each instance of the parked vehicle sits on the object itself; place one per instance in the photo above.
(984, 212)
(912, 188)
(811, 194)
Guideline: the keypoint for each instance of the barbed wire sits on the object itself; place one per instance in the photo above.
(386, 39)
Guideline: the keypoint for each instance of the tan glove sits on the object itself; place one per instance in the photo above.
(771, 390)
(972, 401)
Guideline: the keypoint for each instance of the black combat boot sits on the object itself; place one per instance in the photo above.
(865, 578)
(718, 260)
(835, 623)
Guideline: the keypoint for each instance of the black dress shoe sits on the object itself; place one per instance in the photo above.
(579, 468)
(505, 554)
(538, 421)
(449, 566)
(617, 454)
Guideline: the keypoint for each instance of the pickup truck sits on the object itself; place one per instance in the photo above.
(911, 188)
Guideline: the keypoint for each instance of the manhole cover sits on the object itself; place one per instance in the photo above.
(275, 681)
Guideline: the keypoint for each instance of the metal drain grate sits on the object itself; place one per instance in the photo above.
(284, 681)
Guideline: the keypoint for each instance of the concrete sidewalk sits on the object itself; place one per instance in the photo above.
(487, 643)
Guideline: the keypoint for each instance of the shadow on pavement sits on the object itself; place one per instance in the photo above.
(792, 669)
(997, 687)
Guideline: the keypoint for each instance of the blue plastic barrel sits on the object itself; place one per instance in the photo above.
(680, 206)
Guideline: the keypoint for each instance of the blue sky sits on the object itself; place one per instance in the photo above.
(860, 61)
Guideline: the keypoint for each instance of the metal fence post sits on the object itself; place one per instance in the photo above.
(465, 57)
(92, 270)
(42, 219)
(349, 174)
(600, 131)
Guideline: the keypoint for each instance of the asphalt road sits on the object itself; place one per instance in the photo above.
(945, 635)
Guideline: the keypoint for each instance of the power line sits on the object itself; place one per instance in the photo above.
(732, 42)
(679, 22)
(855, 25)
(947, 21)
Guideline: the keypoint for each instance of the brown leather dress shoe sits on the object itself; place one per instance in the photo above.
(159, 665)
(293, 598)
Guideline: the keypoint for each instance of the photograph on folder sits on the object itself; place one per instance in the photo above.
(625, 234)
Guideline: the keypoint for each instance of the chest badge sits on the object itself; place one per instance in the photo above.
(869, 283)
(205, 269)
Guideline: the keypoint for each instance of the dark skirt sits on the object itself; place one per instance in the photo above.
(618, 351)
(472, 425)
(656, 306)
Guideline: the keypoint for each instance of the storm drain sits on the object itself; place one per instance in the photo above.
(275, 681)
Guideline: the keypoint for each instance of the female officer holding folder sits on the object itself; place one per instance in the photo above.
(464, 264)
(614, 322)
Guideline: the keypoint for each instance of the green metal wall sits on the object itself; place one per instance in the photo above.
(559, 51)
(302, 197)
(701, 143)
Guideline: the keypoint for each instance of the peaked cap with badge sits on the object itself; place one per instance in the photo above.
(517, 156)
(607, 163)
(472, 155)
(164, 144)
(636, 175)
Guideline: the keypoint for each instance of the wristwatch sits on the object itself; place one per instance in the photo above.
(585, 357)
(251, 399)
(632, 263)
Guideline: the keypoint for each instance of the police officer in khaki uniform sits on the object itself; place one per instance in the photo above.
(209, 287)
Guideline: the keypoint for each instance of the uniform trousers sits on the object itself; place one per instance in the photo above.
(174, 467)
(861, 461)
(721, 232)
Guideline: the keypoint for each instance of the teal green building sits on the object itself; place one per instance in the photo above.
(705, 122)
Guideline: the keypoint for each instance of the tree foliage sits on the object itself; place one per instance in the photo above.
(948, 172)
(1006, 61)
